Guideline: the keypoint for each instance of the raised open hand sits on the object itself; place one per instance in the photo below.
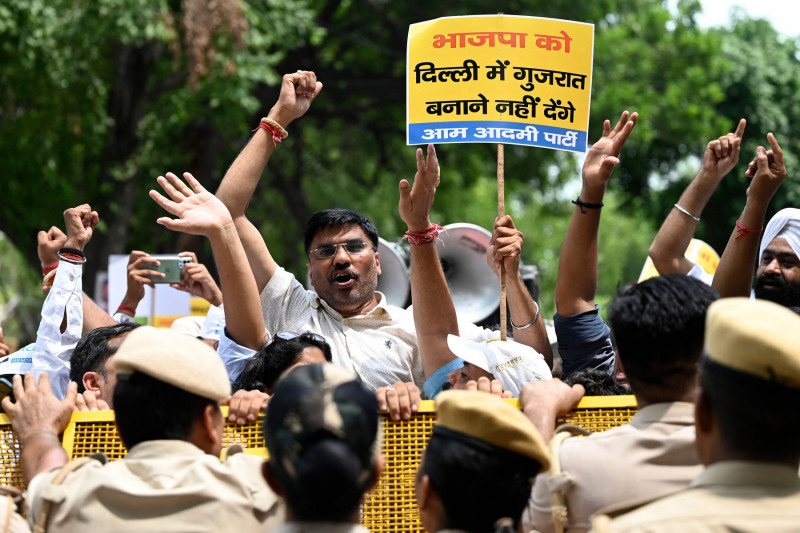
(603, 154)
(416, 201)
(199, 212)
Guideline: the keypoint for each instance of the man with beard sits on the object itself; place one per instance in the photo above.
(778, 274)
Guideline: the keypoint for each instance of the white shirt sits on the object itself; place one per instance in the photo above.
(54, 349)
(699, 272)
(235, 356)
(380, 346)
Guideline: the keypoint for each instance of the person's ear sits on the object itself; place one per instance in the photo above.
(270, 478)
(703, 413)
(92, 381)
(380, 467)
(212, 419)
(378, 262)
(424, 492)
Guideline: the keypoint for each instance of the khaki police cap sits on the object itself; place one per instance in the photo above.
(489, 419)
(174, 358)
(756, 337)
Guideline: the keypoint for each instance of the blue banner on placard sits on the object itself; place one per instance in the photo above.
(502, 132)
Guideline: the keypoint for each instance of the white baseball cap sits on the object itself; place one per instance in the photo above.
(511, 363)
(214, 323)
(18, 362)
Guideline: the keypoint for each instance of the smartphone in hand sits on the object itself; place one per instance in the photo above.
(171, 266)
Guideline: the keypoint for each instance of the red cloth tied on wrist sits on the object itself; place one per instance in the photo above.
(272, 130)
(429, 235)
(277, 131)
(130, 310)
(742, 230)
(47, 268)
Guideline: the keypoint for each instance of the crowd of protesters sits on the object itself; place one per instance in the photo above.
(713, 360)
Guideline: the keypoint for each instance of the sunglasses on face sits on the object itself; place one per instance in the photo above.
(328, 250)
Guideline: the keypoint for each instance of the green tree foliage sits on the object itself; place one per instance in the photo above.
(761, 84)
(100, 97)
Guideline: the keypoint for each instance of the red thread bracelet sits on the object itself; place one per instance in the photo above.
(131, 310)
(742, 230)
(47, 268)
(277, 131)
(422, 237)
(272, 130)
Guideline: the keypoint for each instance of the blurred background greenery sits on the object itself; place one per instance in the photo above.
(100, 97)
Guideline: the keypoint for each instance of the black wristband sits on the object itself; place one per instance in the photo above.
(584, 205)
(72, 251)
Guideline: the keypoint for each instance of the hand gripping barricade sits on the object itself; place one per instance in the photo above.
(390, 506)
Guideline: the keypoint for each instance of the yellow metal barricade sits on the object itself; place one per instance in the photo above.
(390, 506)
(9, 454)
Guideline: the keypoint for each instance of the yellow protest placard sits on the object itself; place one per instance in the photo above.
(500, 78)
(698, 251)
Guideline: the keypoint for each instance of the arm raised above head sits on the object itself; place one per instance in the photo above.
(576, 284)
(734, 275)
(298, 90)
(200, 213)
(675, 234)
(434, 311)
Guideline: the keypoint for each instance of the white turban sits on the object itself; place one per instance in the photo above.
(786, 224)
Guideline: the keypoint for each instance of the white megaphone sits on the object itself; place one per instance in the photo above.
(394, 280)
(473, 285)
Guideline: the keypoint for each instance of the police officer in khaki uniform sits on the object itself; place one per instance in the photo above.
(322, 433)
(658, 326)
(478, 467)
(747, 431)
(167, 412)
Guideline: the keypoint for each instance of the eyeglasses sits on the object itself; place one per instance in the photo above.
(291, 335)
(352, 247)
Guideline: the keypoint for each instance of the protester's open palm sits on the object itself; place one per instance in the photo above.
(416, 200)
(603, 154)
(199, 212)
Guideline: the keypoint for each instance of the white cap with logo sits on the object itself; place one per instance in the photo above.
(513, 364)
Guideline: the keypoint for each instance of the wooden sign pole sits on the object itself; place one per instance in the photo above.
(501, 211)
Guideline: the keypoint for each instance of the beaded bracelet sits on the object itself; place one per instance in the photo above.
(277, 131)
